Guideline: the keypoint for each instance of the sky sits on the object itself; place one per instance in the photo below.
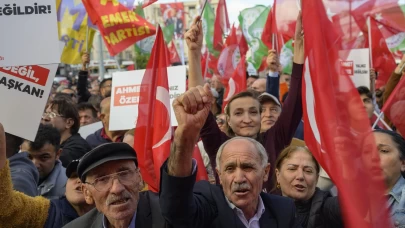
(234, 6)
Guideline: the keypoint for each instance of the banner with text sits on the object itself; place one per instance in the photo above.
(29, 33)
(125, 92)
(357, 66)
(120, 26)
(24, 91)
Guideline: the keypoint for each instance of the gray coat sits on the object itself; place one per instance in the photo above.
(53, 187)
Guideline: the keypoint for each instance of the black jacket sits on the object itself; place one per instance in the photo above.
(73, 148)
(82, 90)
(185, 204)
(148, 215)
(325, 211)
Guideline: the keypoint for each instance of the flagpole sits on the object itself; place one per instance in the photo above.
(369, 41)
(87, 39)
(273, 41)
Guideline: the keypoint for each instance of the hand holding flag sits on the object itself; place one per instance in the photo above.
(194, 36)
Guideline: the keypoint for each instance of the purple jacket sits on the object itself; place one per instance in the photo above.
(275, 139)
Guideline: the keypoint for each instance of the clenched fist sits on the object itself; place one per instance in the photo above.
(192, 108)
(273, 61)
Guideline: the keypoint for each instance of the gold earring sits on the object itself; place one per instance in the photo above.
(278, 185)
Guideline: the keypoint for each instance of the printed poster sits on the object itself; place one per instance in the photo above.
(125, 96)
(29, 33)
(24, 92)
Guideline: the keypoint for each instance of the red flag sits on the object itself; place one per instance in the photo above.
(383, 61)
(148, 2)
(232, 37)
(119, 26)
(174, 56)
(270, 36)
(243, 45)
(227, 62)
(237, 83)
(153, 130)
(285, 15)
(394, 108)
(221, 25)
(337, 129)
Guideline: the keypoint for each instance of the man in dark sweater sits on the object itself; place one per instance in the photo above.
(62, 114)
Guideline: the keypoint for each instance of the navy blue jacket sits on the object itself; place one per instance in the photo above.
(60, 213)
(95, 139)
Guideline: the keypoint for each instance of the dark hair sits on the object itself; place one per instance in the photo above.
(87, 106)
(249, 93)
(364, 90)
(286, 153)
(104, 81)
(67, 109)
(398, 140)
(46, 134)
(95, 100)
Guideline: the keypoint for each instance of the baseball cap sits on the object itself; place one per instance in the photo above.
(268, 97)
(72, 168)
(102, 154)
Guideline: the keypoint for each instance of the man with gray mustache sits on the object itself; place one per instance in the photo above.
(112, 181)
(242, 168)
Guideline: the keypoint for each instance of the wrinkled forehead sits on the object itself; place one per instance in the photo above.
(240, 150)
(110, 168)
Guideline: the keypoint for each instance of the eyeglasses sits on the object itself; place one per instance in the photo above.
(104, 183)
(220, 121)
(51, 115)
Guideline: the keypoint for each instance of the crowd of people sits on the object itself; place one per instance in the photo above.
(260, 172)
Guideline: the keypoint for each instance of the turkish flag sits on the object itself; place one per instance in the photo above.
(383, 60)
(153, 131)
(232, 37)
(221, 24)
(337, 129)
(174, 56)
(243, 45)
(237, 83)
(394, 107)
(119, 26)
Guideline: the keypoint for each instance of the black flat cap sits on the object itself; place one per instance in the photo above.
(72, 168)
(105, 153)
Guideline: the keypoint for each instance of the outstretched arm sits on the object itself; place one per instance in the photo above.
(194, 39)
(17, 209)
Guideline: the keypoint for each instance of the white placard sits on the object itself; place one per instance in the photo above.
(24, 92)
(29, 33)
(123, 117)
(357, 66)
(90, 129)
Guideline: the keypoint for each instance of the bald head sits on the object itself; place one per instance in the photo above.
(259, 85)
(105, 105)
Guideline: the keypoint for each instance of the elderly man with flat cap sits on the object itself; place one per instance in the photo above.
(242, 168)
(112, 181)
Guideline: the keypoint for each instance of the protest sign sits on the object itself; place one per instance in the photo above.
(29, 33)
(357, 66)
(126, 88)
(24, 91)
(90, 129)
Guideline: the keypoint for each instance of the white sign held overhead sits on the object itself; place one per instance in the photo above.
(357, 66)
(125, 96)
(29, 33)
(24, 91)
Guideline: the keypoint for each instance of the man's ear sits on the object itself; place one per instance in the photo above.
(219, 175)
(58, 153)
(266, 172)
(87, 195)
